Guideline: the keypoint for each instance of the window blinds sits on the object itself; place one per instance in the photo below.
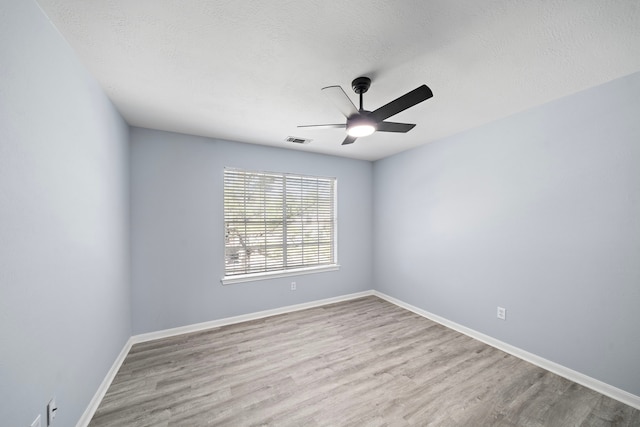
(276, 222)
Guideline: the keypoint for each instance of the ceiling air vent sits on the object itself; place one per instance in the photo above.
(297, 140)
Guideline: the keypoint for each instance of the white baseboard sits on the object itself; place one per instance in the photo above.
(577, 377)
(104, 386)
(243, 318)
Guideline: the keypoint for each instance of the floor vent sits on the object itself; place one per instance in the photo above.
(297, 140)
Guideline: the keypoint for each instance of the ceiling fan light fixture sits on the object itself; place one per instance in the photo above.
(361, 130)
(361, 122)
(360, 126)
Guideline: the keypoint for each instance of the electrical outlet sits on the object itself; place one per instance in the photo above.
(293, 286)
(36, 422)
(51, 411)
(502, 313)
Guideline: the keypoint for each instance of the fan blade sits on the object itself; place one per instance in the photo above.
(395, 127)
(340, 100)
(343, 125)
(349, 140)
(400, 104)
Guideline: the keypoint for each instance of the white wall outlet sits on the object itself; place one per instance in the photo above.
(502, 313)
(293, 286)
(51, 411)
(36, 422)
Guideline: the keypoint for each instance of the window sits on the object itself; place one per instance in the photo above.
(277, 224)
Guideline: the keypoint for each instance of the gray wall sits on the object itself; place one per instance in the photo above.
(538, 213)
(64, 285)
(177, 229)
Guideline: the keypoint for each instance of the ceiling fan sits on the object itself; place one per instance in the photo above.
(361, 122)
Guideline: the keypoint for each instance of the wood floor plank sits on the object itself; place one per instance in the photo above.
(363, 362)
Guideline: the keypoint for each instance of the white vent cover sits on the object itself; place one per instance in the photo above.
(297, 140)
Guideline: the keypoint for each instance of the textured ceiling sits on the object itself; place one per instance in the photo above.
(252, 71)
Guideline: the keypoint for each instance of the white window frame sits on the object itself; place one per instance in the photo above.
(246, 277)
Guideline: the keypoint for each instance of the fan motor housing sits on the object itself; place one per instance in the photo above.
(361, 84)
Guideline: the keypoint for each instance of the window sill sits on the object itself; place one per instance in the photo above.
(229, 280)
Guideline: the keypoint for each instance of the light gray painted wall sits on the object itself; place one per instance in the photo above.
(538, 213)
(177, 229)
(64, 285)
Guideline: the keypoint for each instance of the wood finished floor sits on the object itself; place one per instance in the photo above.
(364, 362)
